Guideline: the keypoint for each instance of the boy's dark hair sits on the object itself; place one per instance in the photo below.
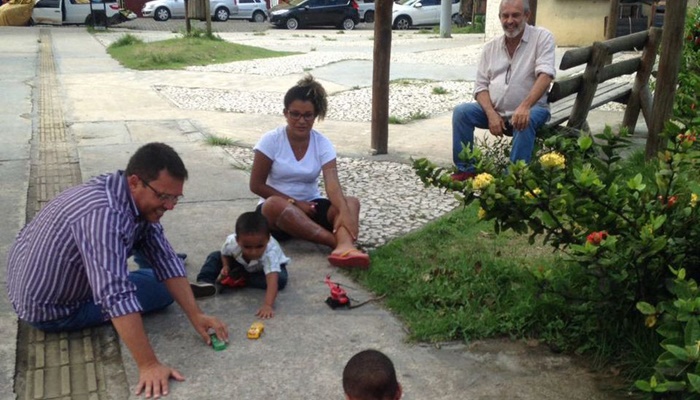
(252, 222)
(370, 375)
(307, 89)
(152, 158)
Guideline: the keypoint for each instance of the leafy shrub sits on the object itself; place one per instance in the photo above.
(619, 225)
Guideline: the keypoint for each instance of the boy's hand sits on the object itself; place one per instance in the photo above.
(265, 312)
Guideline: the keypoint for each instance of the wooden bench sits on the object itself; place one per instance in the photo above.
(573, 96)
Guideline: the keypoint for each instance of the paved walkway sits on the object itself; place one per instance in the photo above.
(104, 113)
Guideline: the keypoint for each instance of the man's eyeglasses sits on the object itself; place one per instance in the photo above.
(164, 197)
(295, 115)
(508, 75)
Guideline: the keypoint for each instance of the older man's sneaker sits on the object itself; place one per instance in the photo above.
(202, 289)
(462, 176)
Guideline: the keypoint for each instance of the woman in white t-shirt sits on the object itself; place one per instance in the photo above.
(288, 161)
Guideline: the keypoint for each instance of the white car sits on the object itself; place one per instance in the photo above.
(366, 10)
(62, 12)
(252, 10)
(163, 10)
(419, 12)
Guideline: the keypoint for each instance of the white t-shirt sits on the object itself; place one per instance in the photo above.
(297, 179)
(272, 258)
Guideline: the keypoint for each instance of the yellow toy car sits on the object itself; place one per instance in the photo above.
(255, 330)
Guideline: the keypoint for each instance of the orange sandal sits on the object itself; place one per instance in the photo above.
(350, 259)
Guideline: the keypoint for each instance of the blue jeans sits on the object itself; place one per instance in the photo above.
(212, 268)
(151, 294)
(468, 116)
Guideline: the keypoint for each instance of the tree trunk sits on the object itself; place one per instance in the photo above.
(380, 76)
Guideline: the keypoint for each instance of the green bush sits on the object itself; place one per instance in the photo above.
(620, 223)
(678, 320)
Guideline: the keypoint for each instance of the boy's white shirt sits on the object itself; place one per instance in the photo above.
(271, 260)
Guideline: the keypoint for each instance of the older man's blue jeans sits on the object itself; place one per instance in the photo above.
(152, 295)
(468, 116)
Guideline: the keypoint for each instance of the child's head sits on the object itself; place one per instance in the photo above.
(370, 375)
(252, 235)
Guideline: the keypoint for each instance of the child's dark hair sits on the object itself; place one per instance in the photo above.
(370, 375)
(307, 89)
(252, 222)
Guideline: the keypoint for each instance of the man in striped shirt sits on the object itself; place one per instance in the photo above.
(68, 267)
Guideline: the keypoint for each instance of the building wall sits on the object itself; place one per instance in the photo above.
(574, 22)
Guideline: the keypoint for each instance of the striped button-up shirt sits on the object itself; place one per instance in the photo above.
(76, 249)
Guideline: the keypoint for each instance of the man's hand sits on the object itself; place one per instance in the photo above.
(153, 380)
(202, 323)
(265, 312)
(520, 118)
(496, 124)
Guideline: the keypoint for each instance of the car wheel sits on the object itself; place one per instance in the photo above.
(402, 22)
(221, 14)
(258, 16)
(348, 24)
(292, 24)
(161, 14)
(369, 16)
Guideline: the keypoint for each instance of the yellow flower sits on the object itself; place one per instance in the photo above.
(532, 194)
(650, 321)
(482, 213)
(553, 160)
(482, 180)
(693, 199)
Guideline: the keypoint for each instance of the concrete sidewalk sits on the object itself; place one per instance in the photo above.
(111, 111)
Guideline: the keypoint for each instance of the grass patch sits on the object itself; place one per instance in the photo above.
(183, 52)
(219, 141)
(457, 280)
(418, 115)
(126, 40)
(395, 120)
(440, 90)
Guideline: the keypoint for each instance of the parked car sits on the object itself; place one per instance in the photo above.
(366, 10)
(65, 12)
(252, 10)
(299, 13)
(163, 10)
(420, 12)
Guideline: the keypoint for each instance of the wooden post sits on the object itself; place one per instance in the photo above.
(589, 84)
(380, 76)
(207, 12)
(188, 24)
(640, 88)
(613, 15)
(669, 63)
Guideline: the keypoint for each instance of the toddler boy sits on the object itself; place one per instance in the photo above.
(249, 257)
